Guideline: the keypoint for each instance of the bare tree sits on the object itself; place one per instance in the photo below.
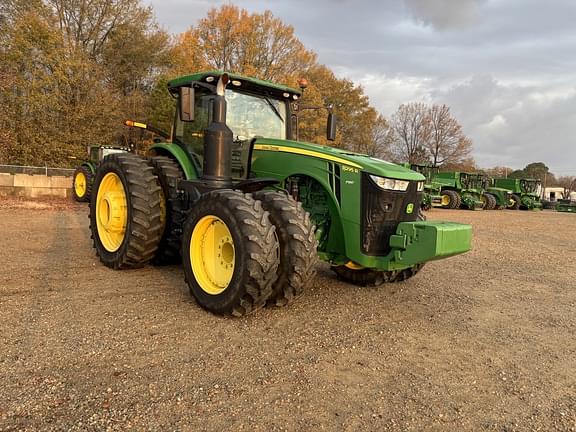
(447, 142)
(410, 133)
(568, 183)
(429, 134)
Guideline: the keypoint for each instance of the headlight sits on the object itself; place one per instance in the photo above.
(420, 186)
(391, 184)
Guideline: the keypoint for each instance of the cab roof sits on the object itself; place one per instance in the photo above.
(242, 82)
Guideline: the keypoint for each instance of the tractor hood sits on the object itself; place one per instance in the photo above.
(359, 161)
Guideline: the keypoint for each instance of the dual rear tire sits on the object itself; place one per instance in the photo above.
(239, 250)
(489, 201)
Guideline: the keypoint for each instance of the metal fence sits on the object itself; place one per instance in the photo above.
(45, 170)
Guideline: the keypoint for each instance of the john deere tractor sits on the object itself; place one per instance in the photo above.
(461, 189)
(84, 174)
(248, 210)
(432, 196)
(495, 197)
(525, 192)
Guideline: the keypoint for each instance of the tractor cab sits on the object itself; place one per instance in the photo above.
(254, 109)
(474, 181)
(531, 187)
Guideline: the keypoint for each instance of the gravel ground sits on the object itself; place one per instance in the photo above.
(482, 341)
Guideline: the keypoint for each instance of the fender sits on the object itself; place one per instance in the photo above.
(178, 153)
(91, 167)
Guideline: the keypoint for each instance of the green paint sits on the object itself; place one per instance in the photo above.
(178, 153)
(528, 190)
(327, 181)
(470, 186)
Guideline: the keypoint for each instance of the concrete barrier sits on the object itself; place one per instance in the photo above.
(35, 186)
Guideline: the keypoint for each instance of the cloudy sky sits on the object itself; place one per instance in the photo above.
(507, 68)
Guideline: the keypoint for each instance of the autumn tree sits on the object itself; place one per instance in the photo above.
(258, 45)
(74, 70)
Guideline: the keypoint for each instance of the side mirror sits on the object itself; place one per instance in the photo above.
(331, 127)
(186, 100)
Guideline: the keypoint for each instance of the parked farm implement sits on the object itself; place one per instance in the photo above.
(461, 189)
(525, 192)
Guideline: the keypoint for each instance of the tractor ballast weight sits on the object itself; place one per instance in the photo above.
(525, 192)
(251, 209)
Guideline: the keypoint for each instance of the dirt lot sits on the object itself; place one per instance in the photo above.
(483, 341)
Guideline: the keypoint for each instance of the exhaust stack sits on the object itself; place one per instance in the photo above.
(217, 171)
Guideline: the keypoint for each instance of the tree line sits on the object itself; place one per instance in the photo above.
(72, 70)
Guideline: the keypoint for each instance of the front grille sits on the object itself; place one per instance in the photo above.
(382, 210)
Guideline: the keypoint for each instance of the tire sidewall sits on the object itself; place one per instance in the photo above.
(110, 165)
(227, 299)
(88, 177)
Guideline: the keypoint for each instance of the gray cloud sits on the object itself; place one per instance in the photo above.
(506, 68)
(445, 14)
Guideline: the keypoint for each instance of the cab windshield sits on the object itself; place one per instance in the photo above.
(249, 116)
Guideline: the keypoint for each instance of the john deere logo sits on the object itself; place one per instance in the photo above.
(409, 208)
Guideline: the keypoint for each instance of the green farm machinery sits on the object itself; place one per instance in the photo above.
(496, 197)
(566, 205)
(461, 189)
(432, 196)
(525, 193)
(248, 210)
(84, 174)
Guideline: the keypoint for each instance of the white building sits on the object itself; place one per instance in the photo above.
(555, 193)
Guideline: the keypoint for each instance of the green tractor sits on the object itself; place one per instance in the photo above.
(525, 192)
(495, 197)
(432, 196)
(84, 175)
(248, 210)
(461, 189)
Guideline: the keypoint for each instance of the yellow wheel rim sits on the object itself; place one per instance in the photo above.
(111, 212)
(212, 254)
(80, 184)
(445, 200)
(353, 266)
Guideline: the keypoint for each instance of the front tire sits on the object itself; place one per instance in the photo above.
(373, 278)
(515, 204)
(82, 184)
(297, 243)
(229, 253)
(125, 212)
(451, 199)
